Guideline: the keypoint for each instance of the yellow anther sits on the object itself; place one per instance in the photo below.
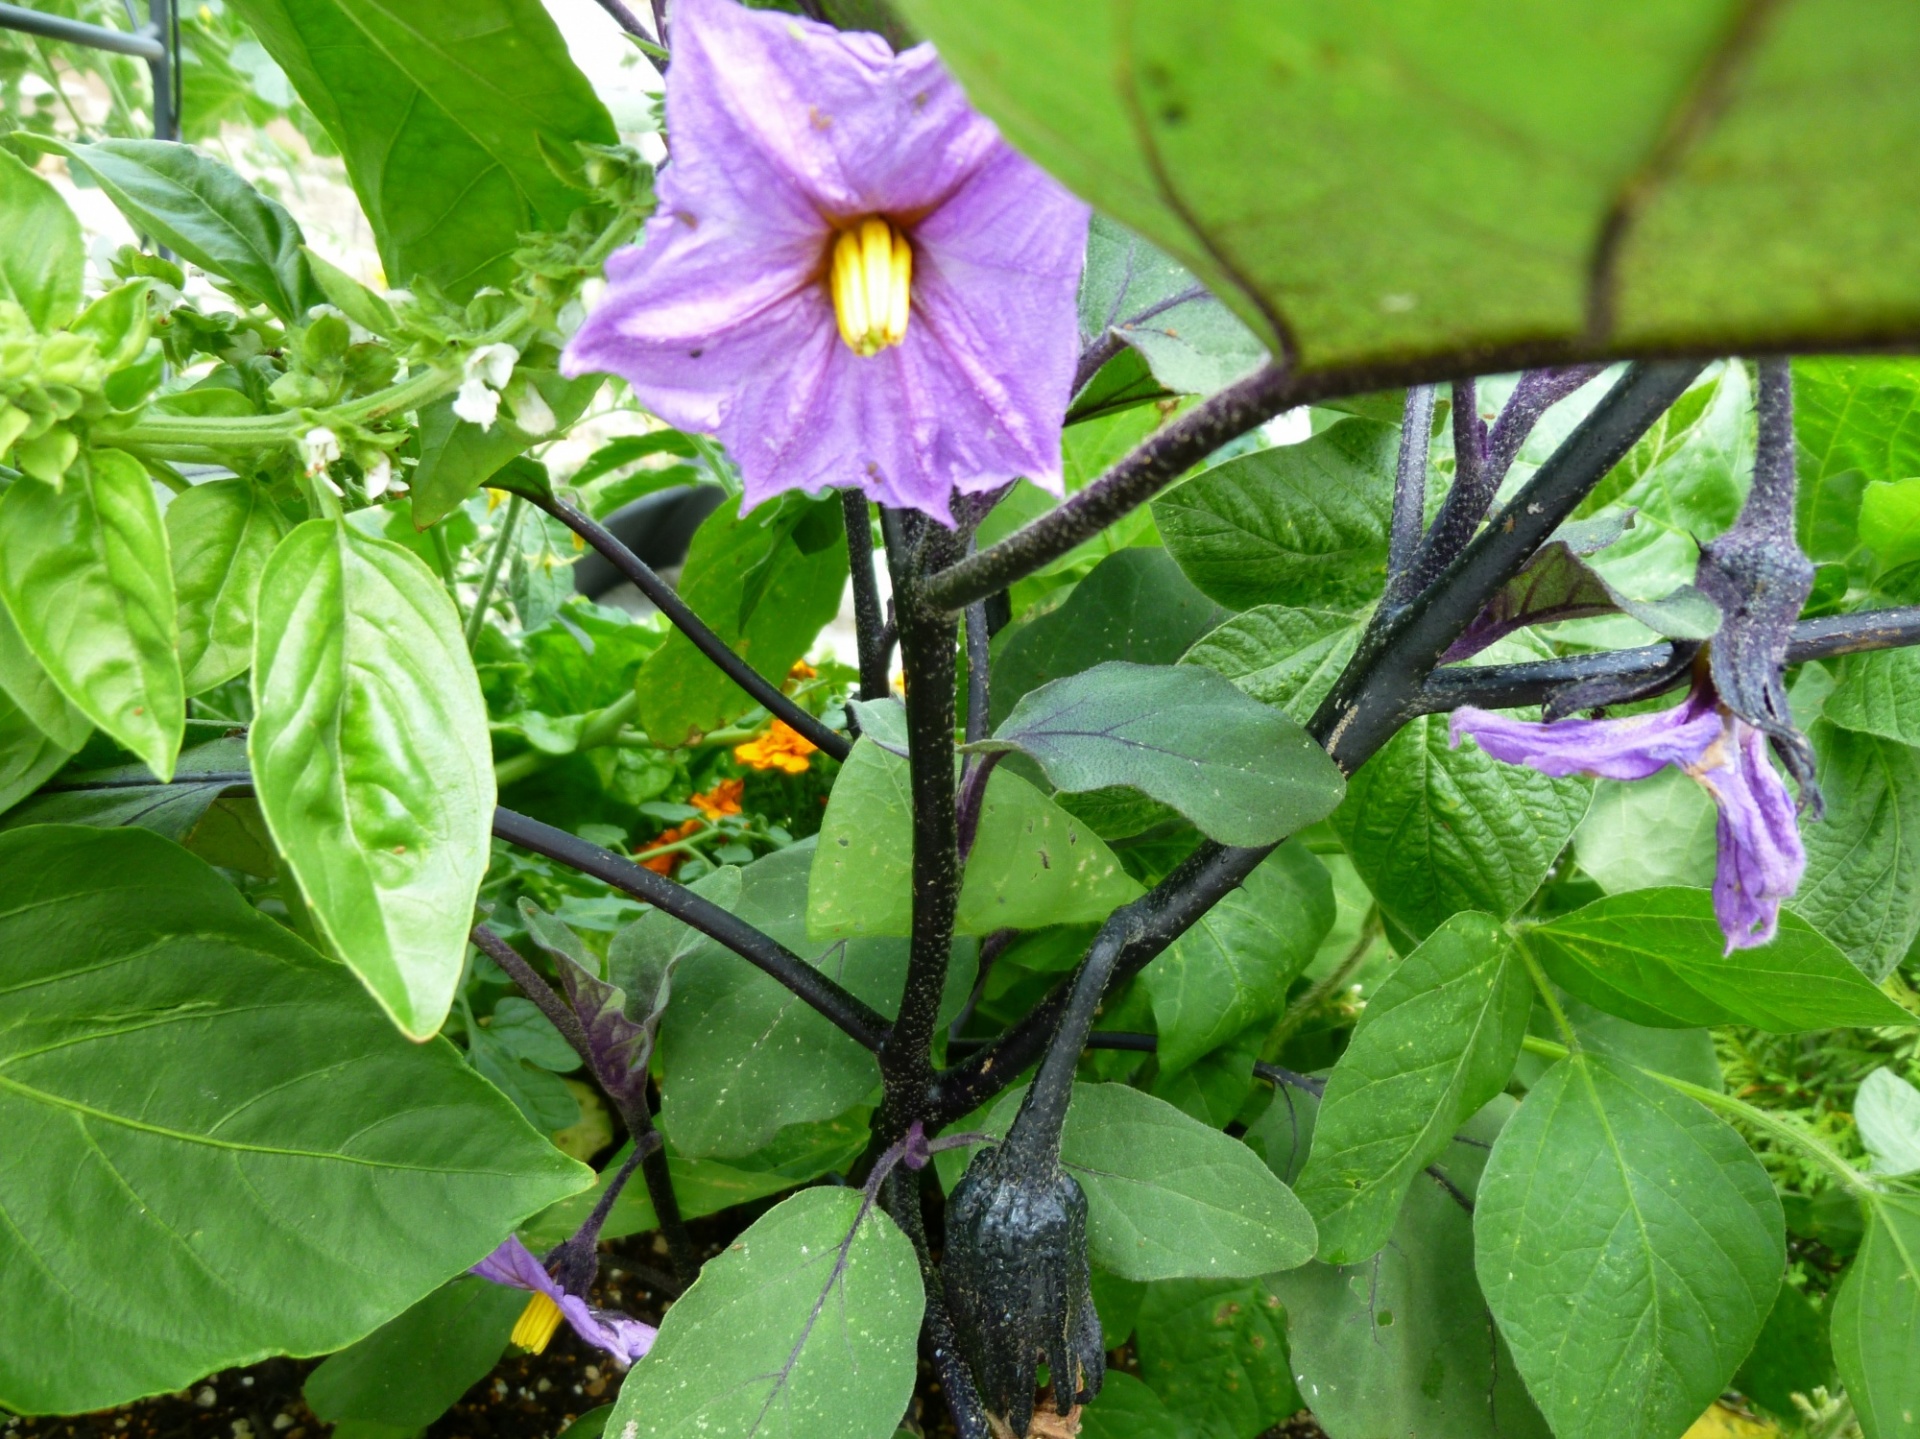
(537, 1324)
(872, 284)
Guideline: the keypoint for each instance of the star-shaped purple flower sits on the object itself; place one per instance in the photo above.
(1760, 858)
(515, 1266)
(851, 278)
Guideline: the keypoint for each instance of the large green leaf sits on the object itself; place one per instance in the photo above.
(1377, 180)
(372, 760)
(1032, 863)
(1301, 524)
(1128, 1409)
(1879, 694)
(1861, 888)
(217, 1148)
(27, 683)
(766, 583)
(1434, 1044)
(84, 571)
(1215, 1351)
(28, 756)
(1167, 1196)
(128, 794)
(1876, 1320)
(1434, 830)
(1400, 1346)
(1648, 832)
(410, 1370)
(805, 1327)
(1281, 656)
(742, 1055)
(1183, 735)
(220, 534)
(1629, 1244)
(42, 261)
(1135, 605)
(207, 213)
(1657, 957)
(439, 108)
(1858, 421)
(1231, 968)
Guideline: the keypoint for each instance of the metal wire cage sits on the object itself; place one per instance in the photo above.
(155, 40)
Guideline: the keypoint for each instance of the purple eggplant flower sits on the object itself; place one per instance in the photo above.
(1761, 857)
(514, 1265)
(851, 278)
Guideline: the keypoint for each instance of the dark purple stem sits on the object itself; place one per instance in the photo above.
(1409, 485)
(545, 998)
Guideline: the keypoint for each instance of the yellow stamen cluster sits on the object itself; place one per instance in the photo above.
(872, 285)
(537, 1324)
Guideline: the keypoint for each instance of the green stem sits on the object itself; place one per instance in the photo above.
(477, 620)
(602, 727)
(1547, 996)
(443, 561)
(1309, 1003)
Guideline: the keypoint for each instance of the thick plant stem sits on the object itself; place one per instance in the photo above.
(669, 603)
(545, 997)
(900, 1197)
(865, 1025)
(929, 641)
(1409, 485)
(869, 624)
(1157, 463)
(979, 665)
(681, 1251)
(1033, 1141)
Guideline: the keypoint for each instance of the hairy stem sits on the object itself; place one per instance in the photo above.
(1409, 486)
(865, 1025)
(869, 623)
(681, 1251)
(669, 603)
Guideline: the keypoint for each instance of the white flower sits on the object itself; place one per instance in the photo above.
(319, 447)
(379, 477)
(494, 364)
(476, 403)
(531, 410)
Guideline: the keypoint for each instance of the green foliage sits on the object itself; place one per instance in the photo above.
(1876, 1319)
(409, 1371)
(279, 1171)
(41, 260)
(1215, 1351)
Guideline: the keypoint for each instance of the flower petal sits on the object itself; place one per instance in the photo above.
(1761, 856)
(837, 116)
(621, 1335)
(515, 1266)
(1632, 748)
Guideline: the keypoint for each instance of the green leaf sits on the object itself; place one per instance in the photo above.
(1402, 1344)
(195, 205)
(359, 304)
(805, 1327)
(270, 1169)
(42, 260)
(220, 535)
(1657, 957)
(1215, 1351)
(1630, 1245)
(1128, 1409)
(1182, 734)
(1032, 863)
(1434, 830)
(1879, 694)
(372, 761)
(1301, 524)
(1655, 831)
(1167, 1196)
(84, 571)
(28, 757)
(1134, 605)
(1284, 657)
(1890, 521)
(439, 108)
(1793, 1355)
(1191, 342)
(682, 692)
(410, 1370)
(1231, 969)
(1887, 1114)
(129, 795)
(1856, 420)
(1434, 1044)
(27, 683)
(742, 1055)
(1876, 1320)
(1560, 584)
(1318, 168)
(1861, 888)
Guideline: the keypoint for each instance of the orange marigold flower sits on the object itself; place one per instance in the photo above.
(665, 864)
(723, 799)
(803, 671)
(782, 747)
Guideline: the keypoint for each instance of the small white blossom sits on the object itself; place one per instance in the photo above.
(494, 364)
(319, 447)
(379, 477)
(476, 403)
(531, 410)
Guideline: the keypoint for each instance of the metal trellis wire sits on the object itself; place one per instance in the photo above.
(157, 41)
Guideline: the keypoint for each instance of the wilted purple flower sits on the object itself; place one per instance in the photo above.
(851, 278)
(514, 1265)
(1761, 856)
